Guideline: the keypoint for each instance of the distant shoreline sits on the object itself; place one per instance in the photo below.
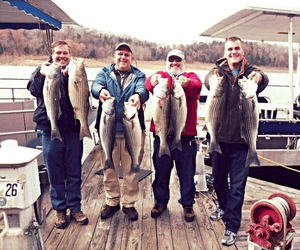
(95, 63)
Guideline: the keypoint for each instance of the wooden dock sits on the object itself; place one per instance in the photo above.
(169, 231)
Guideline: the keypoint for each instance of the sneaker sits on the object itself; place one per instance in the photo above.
(131, 213)
(217, 215)
(109, 211)
(228, 238)
(157, 210)
(189, 214)
(61, 219)
(80, 218)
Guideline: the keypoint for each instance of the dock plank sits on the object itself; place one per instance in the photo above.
(169, 231)
(176, 216)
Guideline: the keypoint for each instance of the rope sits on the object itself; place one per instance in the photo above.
(284, 210)
(281, 165)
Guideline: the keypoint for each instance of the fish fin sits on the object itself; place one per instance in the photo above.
(134, 169)
(109, 164)
(85, 132)
(252, 158)
(159, 104)
(104, 120)
(214, 146)
(100, 146)
(141, 156)
(55, 134)
(179, 102)
(164, 150)
(176, 144)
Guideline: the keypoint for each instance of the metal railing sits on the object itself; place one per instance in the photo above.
(10, 93)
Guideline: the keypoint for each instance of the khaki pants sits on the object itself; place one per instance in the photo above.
(112, 189)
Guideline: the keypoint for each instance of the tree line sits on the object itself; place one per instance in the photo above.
(91, 43)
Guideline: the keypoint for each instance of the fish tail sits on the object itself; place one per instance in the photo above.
(55, 134)
(164, 149)
(252, 158)
(214, 146)
(109, 164)
(176, 144)
(134, 169)
(85, 132)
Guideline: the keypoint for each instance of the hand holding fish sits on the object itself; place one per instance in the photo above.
(248, 87)
(184, 81)
(255, 76)
(135, 101)
(215, 84)
(154, 79)
(65, 71)
(104, 95)
(45, 68)
(216, 78)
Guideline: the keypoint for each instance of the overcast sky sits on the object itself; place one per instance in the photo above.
(161, 21)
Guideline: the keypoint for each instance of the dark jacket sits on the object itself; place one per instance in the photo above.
(66, 121)
(230, 131)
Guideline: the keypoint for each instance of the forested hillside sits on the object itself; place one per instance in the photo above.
(91, 43)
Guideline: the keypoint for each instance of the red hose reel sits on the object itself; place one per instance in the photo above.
(270, 221)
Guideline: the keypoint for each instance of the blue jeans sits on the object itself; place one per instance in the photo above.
(185, 162)
(63, 162)
(230, 195)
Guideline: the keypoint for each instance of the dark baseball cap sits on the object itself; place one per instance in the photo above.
(120, 45)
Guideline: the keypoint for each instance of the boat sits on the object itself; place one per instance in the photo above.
(170, 231)
(31, 14)
(279, 125)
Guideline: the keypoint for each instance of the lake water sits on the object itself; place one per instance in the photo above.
(277, 90)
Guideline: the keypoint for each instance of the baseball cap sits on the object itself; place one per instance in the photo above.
(123, 45)
(176, 52)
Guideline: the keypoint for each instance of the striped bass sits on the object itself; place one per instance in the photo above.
(214, 111)
(79, 94)
(107, 130)
(133, 136)
(52, 94)
(249, 118)
(178, 114)
(161, 112)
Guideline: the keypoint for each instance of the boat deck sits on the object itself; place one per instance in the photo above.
(169, 231)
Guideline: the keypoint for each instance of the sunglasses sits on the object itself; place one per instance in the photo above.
(177, 59)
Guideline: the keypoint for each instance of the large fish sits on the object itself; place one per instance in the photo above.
(107, 129)
(161, 112)
(178, 114)
(249, 118)
(133, 136)
(52, 94)
(214, 111)
(79, 94)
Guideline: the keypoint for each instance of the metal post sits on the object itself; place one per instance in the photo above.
(298, 71)
(290, 38)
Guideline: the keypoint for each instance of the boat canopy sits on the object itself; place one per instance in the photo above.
(257, 23)
(263, 24)
(32, 14)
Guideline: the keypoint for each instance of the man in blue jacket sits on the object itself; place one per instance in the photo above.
(126, 83)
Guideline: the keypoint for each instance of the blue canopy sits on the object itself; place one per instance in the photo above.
(32, 14)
